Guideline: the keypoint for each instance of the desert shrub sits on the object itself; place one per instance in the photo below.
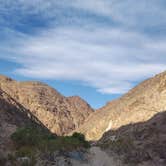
(11, 157)
(79, 136)
(65, 143)
(26, 136)
(25, 151)
(43, 141)
(30, 136)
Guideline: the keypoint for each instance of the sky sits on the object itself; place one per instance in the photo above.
(97, 49)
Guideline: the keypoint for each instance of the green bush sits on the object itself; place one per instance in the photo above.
(66, 143)
(43, 141)
(26, 151)
(79, 136)
(30, 136)
(29, 152)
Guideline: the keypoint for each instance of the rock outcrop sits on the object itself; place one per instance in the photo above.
(12, 116)
(138, 105)
(140, 144)
(59, 114)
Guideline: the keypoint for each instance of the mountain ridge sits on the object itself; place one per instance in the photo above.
(13, 116)
(58, 113)
(139, 104)
(131, 128)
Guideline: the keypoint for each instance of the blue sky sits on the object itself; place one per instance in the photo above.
(97, 49)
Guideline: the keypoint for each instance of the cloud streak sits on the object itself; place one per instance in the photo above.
(110, 58)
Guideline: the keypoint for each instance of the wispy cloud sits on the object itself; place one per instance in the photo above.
(109, 58)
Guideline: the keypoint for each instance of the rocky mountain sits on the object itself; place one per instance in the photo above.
(138, 105)
(59, 114)
(12, 116)
(132, 128)
(142, 143)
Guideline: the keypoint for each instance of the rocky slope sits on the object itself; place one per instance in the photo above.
(134, 126)
(138, 105)
(58, 113)
(12, 116)
(140, 144)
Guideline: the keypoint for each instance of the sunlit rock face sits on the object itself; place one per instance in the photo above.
(138, 105)
(59, 114)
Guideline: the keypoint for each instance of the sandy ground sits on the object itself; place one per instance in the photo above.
(98, 158)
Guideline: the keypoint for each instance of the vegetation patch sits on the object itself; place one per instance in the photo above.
(33, 142)
(30, 139)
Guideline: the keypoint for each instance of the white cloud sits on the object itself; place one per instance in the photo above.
(109, 59)
(142, 13)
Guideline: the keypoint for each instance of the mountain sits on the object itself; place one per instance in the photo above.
(130, 130)
(138, 105)
(59, 114)
(142, 143)
(24, 140)
(12, 116)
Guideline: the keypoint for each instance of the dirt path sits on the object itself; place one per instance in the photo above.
(101, 158)
(98, 158)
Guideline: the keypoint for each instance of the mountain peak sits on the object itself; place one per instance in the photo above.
(58, 113)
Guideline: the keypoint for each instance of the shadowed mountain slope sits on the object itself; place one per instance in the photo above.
(140, 144)
(12, 116)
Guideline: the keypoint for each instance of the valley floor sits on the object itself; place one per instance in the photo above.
(98, 158)
(95, 157)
